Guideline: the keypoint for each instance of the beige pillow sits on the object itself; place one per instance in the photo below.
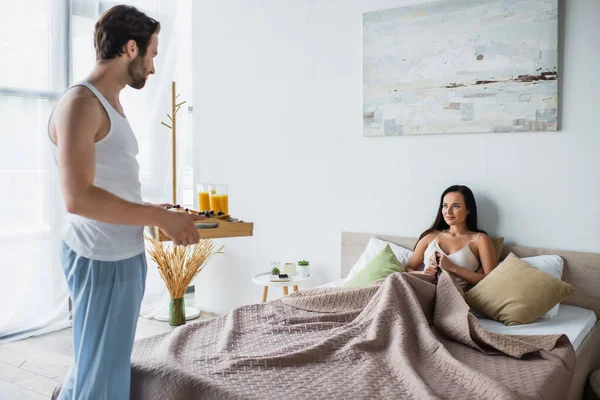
(516, 293)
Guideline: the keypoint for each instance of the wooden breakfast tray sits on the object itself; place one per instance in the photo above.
(225, 227)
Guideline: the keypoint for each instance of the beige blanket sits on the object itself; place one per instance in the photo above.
(404, 338)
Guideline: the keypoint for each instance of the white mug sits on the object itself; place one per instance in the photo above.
(289, 268)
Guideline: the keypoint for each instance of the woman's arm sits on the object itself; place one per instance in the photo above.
(416, 260)
(487, 254)
(487, 257)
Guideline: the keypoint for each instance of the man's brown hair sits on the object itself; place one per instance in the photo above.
(120, 24)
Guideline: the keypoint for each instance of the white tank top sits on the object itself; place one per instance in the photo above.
(463, 258)
(117, 171)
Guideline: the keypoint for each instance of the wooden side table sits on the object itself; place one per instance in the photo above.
(264, 280)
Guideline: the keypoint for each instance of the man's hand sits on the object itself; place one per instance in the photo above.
(180, 227)
(163, 205)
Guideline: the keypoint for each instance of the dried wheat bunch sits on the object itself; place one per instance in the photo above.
(179, 265)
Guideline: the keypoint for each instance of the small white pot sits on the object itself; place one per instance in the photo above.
(303, 270)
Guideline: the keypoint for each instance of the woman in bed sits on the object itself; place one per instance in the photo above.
(454, 243)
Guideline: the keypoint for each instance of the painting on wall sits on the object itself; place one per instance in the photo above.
(461, 66)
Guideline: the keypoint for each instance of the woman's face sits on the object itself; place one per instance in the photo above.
(454, 208)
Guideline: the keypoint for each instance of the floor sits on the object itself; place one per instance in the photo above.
(31, 368)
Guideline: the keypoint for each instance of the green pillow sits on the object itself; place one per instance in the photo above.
(383, 264)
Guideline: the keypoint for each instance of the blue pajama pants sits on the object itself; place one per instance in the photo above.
(106, 299)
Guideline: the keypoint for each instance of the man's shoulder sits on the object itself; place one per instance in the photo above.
(80, 96)
(79, 101)
(77, 111)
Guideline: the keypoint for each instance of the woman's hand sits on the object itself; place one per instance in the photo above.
(431, 270)
(446, 264)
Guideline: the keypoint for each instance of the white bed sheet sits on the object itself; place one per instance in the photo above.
(575, 322)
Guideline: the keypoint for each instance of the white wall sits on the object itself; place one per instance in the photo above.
(278, 108)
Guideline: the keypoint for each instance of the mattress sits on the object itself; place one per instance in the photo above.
(575, 322)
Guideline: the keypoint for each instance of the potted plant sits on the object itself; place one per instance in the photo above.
(178, 266)
(303, 264)
(275, 272)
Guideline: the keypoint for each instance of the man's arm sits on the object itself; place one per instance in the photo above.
(76, 123)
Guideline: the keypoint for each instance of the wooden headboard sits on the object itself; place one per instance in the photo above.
(582, 270)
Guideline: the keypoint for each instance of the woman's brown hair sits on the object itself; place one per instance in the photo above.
(439, 224)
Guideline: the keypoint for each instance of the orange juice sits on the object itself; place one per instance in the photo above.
(215, 203)
(224, 201)
(203, 201)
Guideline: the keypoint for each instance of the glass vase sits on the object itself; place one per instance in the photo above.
(177, 312)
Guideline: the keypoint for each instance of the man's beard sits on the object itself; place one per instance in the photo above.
(136, 72)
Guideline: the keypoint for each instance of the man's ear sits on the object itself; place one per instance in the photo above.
(131, 49)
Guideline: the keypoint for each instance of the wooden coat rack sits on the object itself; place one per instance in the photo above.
(173, 127)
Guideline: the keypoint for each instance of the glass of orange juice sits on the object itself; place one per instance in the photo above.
(203, 197)
(223, 194)
(215, 200)
(219, 198)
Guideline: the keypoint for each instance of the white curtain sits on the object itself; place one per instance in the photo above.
(148, 108)
(33, 293)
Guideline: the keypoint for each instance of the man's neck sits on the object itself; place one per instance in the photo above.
(109, 78)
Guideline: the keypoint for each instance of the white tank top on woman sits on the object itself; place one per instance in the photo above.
(463, 258)
(117, 171)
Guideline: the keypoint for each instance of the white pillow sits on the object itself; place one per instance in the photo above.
(552, 265)
(332, 284)
(373, 248)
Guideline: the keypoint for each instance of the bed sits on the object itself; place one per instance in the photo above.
(402, 337)
(579, 319)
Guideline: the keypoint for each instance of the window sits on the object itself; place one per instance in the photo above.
(33, 73)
